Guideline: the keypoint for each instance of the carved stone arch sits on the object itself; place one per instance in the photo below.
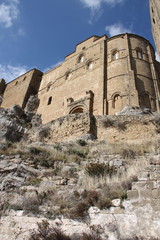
(117, 102)
(77, 109)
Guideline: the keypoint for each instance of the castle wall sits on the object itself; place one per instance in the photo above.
(122, 72)
(19, 90)
(83, 78)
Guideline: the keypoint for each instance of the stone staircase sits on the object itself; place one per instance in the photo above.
(146, 191)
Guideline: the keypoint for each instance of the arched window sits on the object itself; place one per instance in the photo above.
(24, 78)
(48, 87)
(115, 55)
(90, 65)
(68, 75)
(139, 53)
(16, 83)
(81, 58)
(117, 103)
(49, 100)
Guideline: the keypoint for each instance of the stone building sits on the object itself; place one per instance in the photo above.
(155, 20)
(102, 76)
(20, 89)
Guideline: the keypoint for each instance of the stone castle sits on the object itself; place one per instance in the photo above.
(101, 77)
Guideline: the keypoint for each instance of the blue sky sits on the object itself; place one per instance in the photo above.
(40, 33)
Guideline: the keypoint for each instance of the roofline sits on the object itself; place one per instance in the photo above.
(130, 34)
(99, 37)
(23, 74)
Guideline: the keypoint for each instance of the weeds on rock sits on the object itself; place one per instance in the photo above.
(128, 154)
(34, 181)
(81, 153)
(99, 170)
(81, 142)
(46, 232)
(109, 122)
(87, 236)
(44, 133)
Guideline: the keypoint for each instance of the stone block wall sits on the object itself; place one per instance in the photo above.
(126, 128)
(64, 128)
(20, 89)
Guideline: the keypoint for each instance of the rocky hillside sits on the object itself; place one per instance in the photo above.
(79, 189)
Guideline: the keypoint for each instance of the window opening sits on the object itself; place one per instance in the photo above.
(115, 55)
(68, 75)
(81, 59)
(49, 101)
(139, 54)
(90, 65)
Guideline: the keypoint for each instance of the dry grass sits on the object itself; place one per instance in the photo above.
(134, 166)
(140, 148)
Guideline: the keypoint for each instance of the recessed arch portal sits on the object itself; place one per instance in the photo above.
(77, 109)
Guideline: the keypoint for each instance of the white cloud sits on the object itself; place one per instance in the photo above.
(116, 29)
(96, 4)
(9, 72)
(96, 9)
(157, 56)
(8, 12)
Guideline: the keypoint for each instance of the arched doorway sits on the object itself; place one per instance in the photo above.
(78, 109)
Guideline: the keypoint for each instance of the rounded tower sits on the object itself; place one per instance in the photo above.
(131, 74)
